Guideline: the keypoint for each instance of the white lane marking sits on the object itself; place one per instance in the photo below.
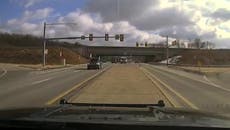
(76, 71)
(208, 83)
(205, 77)
(40, 81)
(57, 70)
(4, 72)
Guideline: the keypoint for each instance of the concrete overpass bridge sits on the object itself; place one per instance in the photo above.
(151, 52)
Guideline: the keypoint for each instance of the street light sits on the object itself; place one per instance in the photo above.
(44, 38)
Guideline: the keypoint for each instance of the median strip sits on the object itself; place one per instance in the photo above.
(50, 102)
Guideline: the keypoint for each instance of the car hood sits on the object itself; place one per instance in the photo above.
(113, 115)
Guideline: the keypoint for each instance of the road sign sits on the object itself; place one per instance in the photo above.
(60, 53)
(46, 51)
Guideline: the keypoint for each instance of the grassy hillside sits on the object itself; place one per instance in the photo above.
(26, 49)
(206, 57)
(34, 56)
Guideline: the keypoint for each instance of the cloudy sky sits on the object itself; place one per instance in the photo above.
(139, 20)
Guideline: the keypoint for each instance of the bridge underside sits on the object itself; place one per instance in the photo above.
(139, 52)
(151, 58)
(119, 51)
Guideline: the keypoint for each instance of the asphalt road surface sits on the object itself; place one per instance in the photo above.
(21, 87)
(192, 90)
(119, 83)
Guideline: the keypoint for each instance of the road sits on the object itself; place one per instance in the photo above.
(116, 83)
(192, 90)
(21, 87)
(220, 79)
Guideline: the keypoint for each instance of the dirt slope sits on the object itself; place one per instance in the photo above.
(34, 56)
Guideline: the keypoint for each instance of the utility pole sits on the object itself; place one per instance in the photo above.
(44, 45)
(45, 39)
(167, 50)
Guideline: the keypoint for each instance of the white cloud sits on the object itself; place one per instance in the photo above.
(210, 18)
(86, 23)
(120, 10)
(222, 14)
(37, 14)
(139, 20)
(32, 16)
(29, 22)
(27, 3)
(92, 23)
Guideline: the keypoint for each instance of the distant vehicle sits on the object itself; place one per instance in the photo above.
(123, 60)
(94, 63)
(115, 59)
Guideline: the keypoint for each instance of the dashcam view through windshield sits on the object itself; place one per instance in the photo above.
(116, 57)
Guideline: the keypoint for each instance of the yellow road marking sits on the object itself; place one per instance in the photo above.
(175, 92)
(201, 81)
(73, 88)
(171, 101)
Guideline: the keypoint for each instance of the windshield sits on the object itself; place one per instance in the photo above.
(146, 50)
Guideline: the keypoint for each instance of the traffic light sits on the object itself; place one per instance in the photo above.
(90, 37)
(117, 37)
(121, 37)
(106, 37)
(137, 44)
(82, 37)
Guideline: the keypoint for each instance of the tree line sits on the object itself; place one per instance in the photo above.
(19, 40)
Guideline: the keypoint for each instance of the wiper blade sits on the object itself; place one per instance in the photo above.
(159, 104)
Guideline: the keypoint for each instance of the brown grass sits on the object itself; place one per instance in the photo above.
(34, 56)
(206, 57)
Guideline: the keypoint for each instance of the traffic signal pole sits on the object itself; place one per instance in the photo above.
(91, 37)
(44, 45)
